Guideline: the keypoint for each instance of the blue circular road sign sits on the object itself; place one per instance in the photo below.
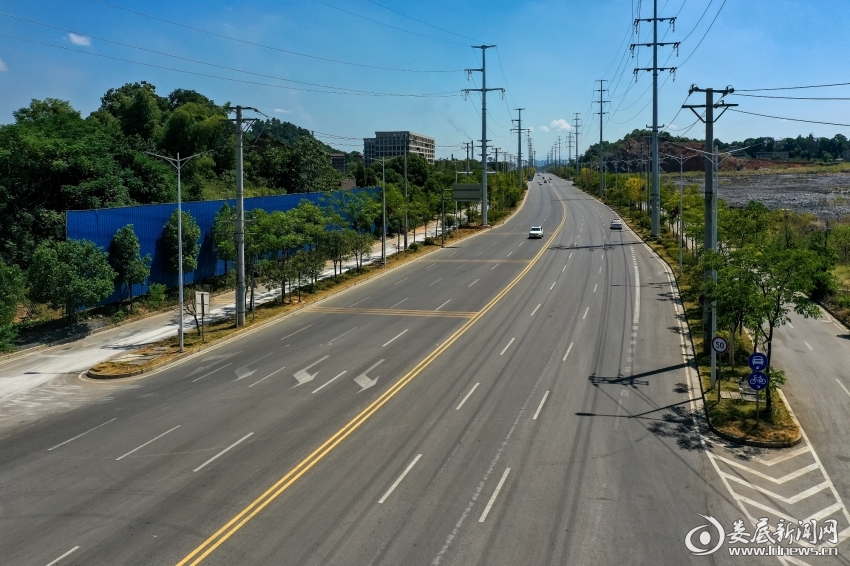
(757, 380)
(757, 361)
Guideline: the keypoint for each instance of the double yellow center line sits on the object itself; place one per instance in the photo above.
(272, 493)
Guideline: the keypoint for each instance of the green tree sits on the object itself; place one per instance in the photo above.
(783, 279)
(12, 292)
(70, 275)
(191, 243)
(131, 268)
(223, 233)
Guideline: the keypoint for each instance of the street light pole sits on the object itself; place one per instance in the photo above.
(178, 164)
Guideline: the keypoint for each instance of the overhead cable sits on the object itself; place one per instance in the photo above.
(279, 49)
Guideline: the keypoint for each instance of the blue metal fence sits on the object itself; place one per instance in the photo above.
(100, 225)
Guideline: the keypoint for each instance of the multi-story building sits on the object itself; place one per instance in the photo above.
(393, 144)
(338, 161)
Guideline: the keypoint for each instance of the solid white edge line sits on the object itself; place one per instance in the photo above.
(493, 497)
(444, 304)
(83, 434)
(309, 325)
(474, 387)
(540, 406)
(535, 309)
(212, 372)
(399, 336)
(568, 352)
(223, 451)
(64, 555)
(505, 349)
(842, 386)
(401, 477)
(146, 443)
(329, 381)
(268, 376)
(585, 313)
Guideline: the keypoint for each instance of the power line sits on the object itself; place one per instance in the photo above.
(356, 15)
(281, 50)
(196, 61)
(207, 75)
(420, 21)
(790, 119)
(792, 97)
(739, 90)
(705, 34)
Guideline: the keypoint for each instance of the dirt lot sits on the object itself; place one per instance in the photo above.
(824, 194)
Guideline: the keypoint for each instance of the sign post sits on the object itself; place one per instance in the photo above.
(719, 345)
(757, 381)
(202, 301)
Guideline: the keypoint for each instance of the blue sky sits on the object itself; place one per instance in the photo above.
(548, 57)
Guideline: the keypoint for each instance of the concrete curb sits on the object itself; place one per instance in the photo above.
(724, 435)
(196, 349)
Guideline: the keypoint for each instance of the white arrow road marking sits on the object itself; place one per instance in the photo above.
(364, 381)
(303, 377)
(401, 477)
(329, 381)
(223, 451)
(243, 372)
(495, 494)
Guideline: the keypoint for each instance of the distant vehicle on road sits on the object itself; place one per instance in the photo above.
(616, 224)
(536, 232)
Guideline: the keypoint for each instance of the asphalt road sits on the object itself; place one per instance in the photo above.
(502, 401)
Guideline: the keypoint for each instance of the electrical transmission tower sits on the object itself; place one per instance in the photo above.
(710, 236)
(577, 125)
(656, 191)
(601, 113)
(483, 90)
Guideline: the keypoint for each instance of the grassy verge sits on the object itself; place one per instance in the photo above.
(734, 417)
(167, 350)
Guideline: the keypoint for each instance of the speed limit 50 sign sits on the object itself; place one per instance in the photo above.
(719, 344)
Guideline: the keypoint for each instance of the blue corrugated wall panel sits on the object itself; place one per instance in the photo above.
(100, 225)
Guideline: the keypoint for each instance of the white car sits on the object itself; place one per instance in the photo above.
(536, 232)
(616, 224)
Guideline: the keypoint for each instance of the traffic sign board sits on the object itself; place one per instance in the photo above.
(719, 344)
(757, 380)
(757, 361)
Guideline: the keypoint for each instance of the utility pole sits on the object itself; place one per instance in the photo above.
(577, 126)
(710, 237)
(569, 150)
(241, 123)
(483, 90)
(406, 150)
(655, 197)
(601, 90)
(519, 131)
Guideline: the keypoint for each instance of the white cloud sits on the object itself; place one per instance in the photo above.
(3, 67)
(544, 129)
(79, 39)
(560, 124)
(282, 111)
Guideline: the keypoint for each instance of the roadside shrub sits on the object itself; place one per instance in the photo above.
(429, 241)
(156, 295)
(7, 338)
(413, 246)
